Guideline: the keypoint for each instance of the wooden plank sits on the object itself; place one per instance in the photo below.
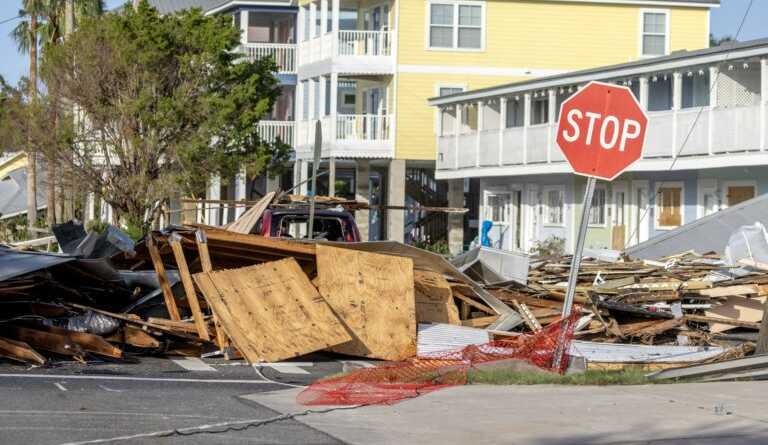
(44, 340)
(89, 342)
(271, 311)
(373, 295)
(741, 324)
(474, 303)
(205, 263)
(20, 351)
(479, 322)
(157, 262)
(189, 288)
(736, 308)
(248, 220)
(659, 328)
(727, 291)
(434, 299)
(134, 337)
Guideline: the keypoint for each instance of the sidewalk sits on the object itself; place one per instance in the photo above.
(483, 414)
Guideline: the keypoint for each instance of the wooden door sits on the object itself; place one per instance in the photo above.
(741, 193)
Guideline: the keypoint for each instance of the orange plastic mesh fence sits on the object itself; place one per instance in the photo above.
(392, 382)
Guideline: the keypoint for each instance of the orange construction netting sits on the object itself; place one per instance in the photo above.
(392, 382)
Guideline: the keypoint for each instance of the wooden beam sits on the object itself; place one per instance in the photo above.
(479, 322)
(728, 321)
(189, 288)
(157, 261)
(134, 337)
(20, 351)
(474, 303)
(222, 339)
(89, 342)
(136, 321)
(44, 340)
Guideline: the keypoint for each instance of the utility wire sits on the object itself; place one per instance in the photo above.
(8, 20)
(690, 132)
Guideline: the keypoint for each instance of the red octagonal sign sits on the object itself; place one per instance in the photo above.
(601, 130)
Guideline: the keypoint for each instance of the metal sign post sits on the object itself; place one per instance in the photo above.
(315, 166)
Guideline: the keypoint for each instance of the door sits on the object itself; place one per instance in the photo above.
(740, 193)
(531, 229)
(497, 211)
(640, 217)
(620, 218)
(373, 106)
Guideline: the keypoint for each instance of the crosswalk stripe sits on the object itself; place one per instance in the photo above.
(192, 364)
(287, 367)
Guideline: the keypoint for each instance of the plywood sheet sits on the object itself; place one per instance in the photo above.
(434, 299)
(736, 308)
(373, 296)
(271, 311)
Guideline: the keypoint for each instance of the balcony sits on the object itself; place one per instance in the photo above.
(359, 52)
(350, 136)
(269, 131)
(284, 54)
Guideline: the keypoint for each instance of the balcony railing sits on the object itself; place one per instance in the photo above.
(269, 131)
(364, 43)
(284, 54)
(367, 127)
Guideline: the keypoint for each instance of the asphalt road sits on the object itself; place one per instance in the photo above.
(103, 401)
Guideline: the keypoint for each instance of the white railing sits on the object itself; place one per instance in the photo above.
(364, 43)
(284, 54)
(369, 127)
(269, 131)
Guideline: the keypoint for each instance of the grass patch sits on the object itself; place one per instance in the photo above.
(626, 376)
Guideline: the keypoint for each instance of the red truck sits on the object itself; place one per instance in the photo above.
(329, 225)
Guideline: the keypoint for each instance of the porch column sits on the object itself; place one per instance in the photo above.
(240, 184)
(502, 126)
(763, 103)
(526, 124)
(335, 16)
(713, 72)
(551, 117)
(456, 220)
(480, 123)
(323, 16)
(643, 93)
(313, 20)
(214, 193)
(300, 24)
(332, 176)
(396, 197)
(677, 102)
(322, 99)
(91, 206)
(311, 103)
(334, 105)
(362, 192)
(457, 131)
(243, 27)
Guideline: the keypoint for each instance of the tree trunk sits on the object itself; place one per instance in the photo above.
(31, 161)
(51, 194)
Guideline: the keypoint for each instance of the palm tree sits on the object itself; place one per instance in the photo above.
(26, 36)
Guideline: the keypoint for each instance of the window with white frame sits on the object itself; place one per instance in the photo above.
(456, 25)
(669, 208)
(447, 91)
(654, 35)
(497, 206)
(597, 211)
(554, 198)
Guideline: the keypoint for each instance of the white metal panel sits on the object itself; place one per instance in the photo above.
(555, 154)
(436, 338)
(658, 136)
(467, 149)
(621, 353)
(738, 129)
(445, 152)
(698, 141)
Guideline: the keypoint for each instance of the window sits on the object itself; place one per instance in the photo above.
(669, 206)
(456, 25)
(349, 99)
(540, 111)
(695, 88)
(496, 205)
(597, 211)
(515, 112)
(447, 91)
(554, 198)
(654, 33)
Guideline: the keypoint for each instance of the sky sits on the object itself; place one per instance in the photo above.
(724, 21)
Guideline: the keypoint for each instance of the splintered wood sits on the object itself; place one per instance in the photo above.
(434, 299)
(271, 311)
(373, 296)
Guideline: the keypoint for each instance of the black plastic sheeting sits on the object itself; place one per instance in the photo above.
(14, 263)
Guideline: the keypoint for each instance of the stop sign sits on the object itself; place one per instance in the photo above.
(601, 130)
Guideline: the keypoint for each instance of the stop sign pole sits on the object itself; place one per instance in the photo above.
(601, 133)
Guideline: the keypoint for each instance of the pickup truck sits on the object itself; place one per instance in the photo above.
(329, 225)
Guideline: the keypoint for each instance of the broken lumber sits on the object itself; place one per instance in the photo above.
(20, 351)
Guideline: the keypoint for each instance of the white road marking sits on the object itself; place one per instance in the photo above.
(110, 389)
(60, 386)
(192, 364)
(287, 367)
(134, 379)
(362, 363)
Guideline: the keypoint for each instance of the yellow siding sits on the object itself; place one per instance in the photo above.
(521, 34)
(548, 35)
(415, 138)
(12, 164)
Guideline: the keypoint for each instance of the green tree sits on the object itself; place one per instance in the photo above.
(163, 102)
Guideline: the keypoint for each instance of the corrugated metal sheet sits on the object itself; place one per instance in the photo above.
(494, 265)
(709, 233)
(14, 263)
(168, 6)
(439, 337)
(621, 353)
